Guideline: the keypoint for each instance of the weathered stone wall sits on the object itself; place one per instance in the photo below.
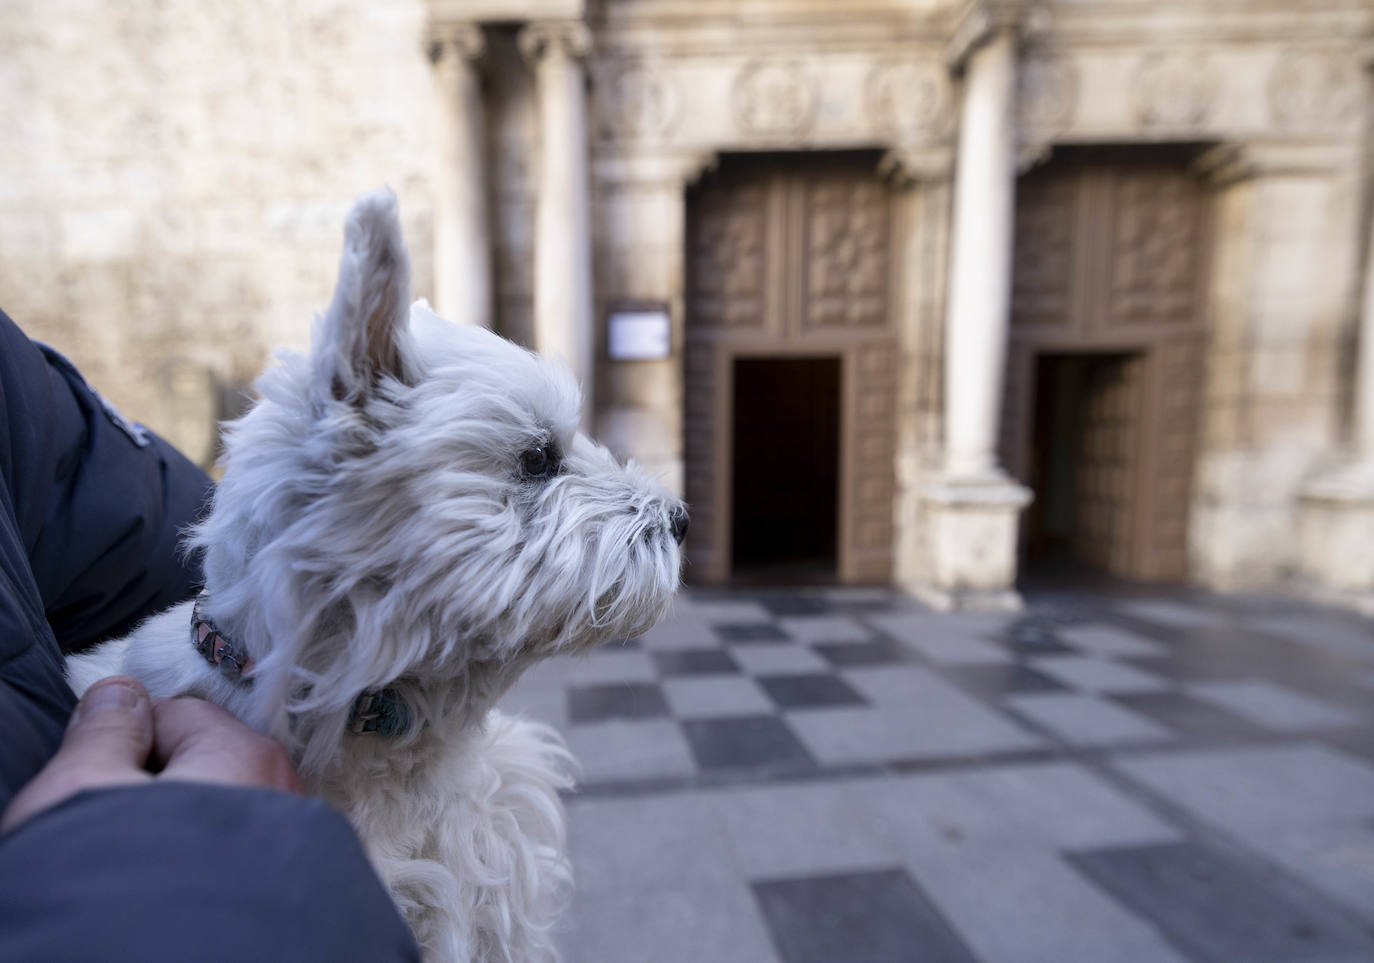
(174, 179)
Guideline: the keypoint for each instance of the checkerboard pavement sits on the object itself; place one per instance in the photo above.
(843, 775)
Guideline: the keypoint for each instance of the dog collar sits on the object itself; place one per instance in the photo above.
(382, 711)
(214, 647)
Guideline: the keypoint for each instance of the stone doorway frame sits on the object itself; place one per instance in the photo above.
(869, 378)
(1171, 354)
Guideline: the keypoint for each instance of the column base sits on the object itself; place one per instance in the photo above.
(1336, 536)
(972, 542)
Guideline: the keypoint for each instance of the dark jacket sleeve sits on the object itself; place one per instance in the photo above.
(101, 503)
(90, 512)
(193, 872)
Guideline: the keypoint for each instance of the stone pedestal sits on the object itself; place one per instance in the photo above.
(1336, 537)
(562, 221)
(973, 540)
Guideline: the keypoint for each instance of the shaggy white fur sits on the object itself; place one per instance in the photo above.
(412, 507)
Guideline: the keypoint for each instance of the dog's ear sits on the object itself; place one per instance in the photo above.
(364, 335)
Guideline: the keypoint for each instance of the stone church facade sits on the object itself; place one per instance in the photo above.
(943, 290)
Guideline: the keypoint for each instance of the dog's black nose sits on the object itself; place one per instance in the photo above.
(678, 520)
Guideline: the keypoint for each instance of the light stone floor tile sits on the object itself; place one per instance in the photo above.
(1089, 674)
(1087, 720)
(1335, 637)
(622, 749)
(914, 626)
(840, 736)
(857, 594)
(1173, 614)
(1336, 859)
(725, 613)
(634, 840)
(688, 920)
(826, 629)
(679, 632)
(1018, 905)
(1273, 706)
(609, 665)
(807, 829)
(1259, 789)
(914, 686)
(713, 697)
(958, 650)
(657, 881)
(1065, 806)
(1011, 896)
(764, 660)
(542, 702)
(1110, 641)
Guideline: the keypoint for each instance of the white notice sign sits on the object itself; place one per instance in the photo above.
(639, 335)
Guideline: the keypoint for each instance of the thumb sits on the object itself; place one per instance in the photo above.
(107, 743)
(112, 725)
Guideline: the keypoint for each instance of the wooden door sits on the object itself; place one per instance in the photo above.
(1109, 264)
(790, 257)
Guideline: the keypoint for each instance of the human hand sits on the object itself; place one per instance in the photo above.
(117, 732)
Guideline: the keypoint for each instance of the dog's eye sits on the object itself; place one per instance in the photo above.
(539, 462)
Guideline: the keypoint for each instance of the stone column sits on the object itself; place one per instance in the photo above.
(562, 240)
(1336, 508)
(462, 241)
(973, 507)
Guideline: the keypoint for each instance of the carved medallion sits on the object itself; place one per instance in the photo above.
(911, 100)
(1174, 90)
(636, 102)
(1314, 88)
(1048, 94)
(774, 98)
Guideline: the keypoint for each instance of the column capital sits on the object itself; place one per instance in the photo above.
(455, 39)
(676, 168)
(1235, 161)
(569, 37)
(908, 165)
(979, 21)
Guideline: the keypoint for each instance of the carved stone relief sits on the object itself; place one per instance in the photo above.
(909, 99)
(1314, 88)
(1174, 90)
(636, 103)
(774, 98)
(1048, 94)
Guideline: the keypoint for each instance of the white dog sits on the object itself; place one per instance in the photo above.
(408, 519)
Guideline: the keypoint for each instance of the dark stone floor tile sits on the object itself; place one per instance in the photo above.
(695, 662)
(1034, 636)
(995, 681)
(809, 691)
(615, 700)
(750, 632)
(877, 652)
(747, 742)
(789, 605)
(877, 917)
(1191, 717)
(1219, 910)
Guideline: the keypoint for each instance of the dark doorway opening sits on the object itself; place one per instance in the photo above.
(786, 462)
(1084, 464)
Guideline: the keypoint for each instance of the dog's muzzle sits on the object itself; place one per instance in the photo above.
(678, 520)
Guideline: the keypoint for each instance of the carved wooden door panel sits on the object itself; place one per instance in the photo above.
(791, 257)
(1109, 262)
(1108, 463)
